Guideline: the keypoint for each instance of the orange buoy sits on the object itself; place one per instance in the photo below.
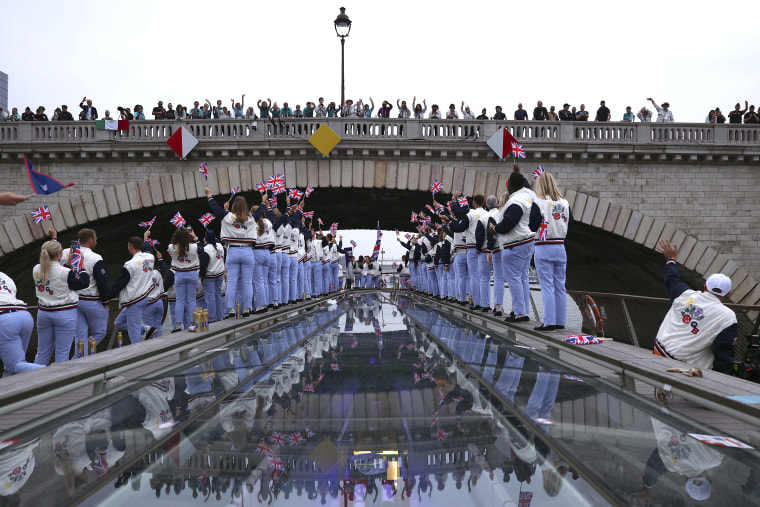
(593, 313)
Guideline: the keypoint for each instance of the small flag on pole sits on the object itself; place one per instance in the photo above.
(309, 190)
(320, 222)
(206, 219)
(262, 187)
(462, 201)
(436, 187)
(204, 170)
(147, 224)
(334, 228)
(177, 221)
(308, 214)
(517, 150)
(353, 243)
(40, 214)
(182, 142)
(76, 259)
(538, 172)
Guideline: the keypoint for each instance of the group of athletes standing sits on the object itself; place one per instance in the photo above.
(268, 258)
(499, 237)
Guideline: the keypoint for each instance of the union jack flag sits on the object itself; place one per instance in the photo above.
(414, 217)
(202, 479)
(296, 438)
(41, 214)
(397, 233)
(334, 228)
(295, 194)
(276, 463)
(204, 170)
(273, 201)
(148, 224)
(580, 339)
(416, 378)
(278, 189)
(572, 377)
(538, 172)
(542, 230)
(335, 367)
(277, 438)
(276, 181)
(408, 236)
(76, 259)
(101, 465)
(309, 388)
(398, 356)
(263, 450)
(436, 420)
(309, 190)
(353, 243)
(354, 343)
(462, 201)
(517, 150)
(153, 242)
(235, 190)
(309, 433)
(320, 222)
(436, 187)
(526, 497)
(441, 397)
(177, 221)
(441, 434)
(308, 214)
(206, 219)
(262, 187)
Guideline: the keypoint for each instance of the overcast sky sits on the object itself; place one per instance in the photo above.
(696, 55)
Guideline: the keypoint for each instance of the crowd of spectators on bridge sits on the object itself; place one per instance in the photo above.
(360, 109)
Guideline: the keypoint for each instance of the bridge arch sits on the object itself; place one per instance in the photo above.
(70, 212)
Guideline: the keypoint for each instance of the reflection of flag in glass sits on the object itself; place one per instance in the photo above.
(441, 434)
(100, 465)
(177, 221)
(309, 433)
(204, 170)
(40, 214)
(277, 438)
(580, 339)
(263, 450)
(525, 498)
(538, 172)
(276, 463)
(335, 367)
(148, 224)
(436, 187)
(309, 388)
(206, 219)
(542, 230)
(202, 479)
(296, 438)
(376, 325)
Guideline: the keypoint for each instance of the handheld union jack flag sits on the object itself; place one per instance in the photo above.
(309, 190)
(204, 170)
(353, 243)
(295, 194)
(335, 367)
(147, 224)
(276, 463)
(542, 230)
(177, 221)
(309, 388)
(462, 201)
(526, 497)
(408, 236)
(262, 187)
(76, 259)
(41, 214)
(277, 438)
(320, 222)
(436, 187)
(538, 172)
(206, 219)
(153, 242)
(263, 450)
(430, 208)
(202, 479)
(273, 201)
(517, 150)
(441, 434)
(334, 228)
(276, 181)
(278, 189)
(580, 339)
(235, 190)
(414, 217)
(100, 466)
(308, 214)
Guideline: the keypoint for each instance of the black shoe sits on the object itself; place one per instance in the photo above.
(559, 327)
(497, 313)
(261, 310)
(151, 333)
(462, 303)
(475, 308)
(486, 309)
(230, 315)
(513, 319)
(545, 328)
(246, 312)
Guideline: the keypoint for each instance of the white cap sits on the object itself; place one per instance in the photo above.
(719, 284)
(699, 488)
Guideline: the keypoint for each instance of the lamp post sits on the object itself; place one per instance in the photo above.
(342, 27)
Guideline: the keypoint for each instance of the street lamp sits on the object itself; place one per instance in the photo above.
(342, 27)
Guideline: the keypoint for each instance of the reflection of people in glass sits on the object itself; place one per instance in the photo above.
(543, 396)
(16, 466)
(678, 452)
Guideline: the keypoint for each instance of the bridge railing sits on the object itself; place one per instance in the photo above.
(392, 129)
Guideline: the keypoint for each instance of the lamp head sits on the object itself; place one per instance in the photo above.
(342, 24)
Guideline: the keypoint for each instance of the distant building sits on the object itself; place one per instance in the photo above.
(4, 91)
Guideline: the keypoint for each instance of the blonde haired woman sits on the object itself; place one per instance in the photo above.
(57, 296)
(550, 217)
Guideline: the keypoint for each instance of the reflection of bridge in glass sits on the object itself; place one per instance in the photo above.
(372, 400)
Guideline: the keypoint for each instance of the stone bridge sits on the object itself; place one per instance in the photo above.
(695, 184)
